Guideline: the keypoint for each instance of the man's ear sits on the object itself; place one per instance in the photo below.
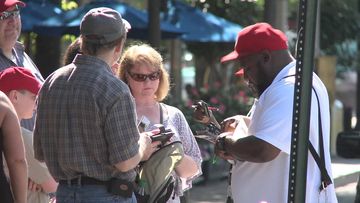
(13, 96)
(119, 47)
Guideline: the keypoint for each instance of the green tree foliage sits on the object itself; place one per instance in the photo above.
(340, 25)
(339, 22)
(241, 12)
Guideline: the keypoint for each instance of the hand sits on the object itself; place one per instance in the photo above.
(33, 187)
(229, 124)
(200, 114)
(147, 145)
(220, 146)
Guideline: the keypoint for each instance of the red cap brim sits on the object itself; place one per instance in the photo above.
(230, 57)
(239, 73)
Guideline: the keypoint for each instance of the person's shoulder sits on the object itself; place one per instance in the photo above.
(171, 109)
(5, 104)
(61, 71)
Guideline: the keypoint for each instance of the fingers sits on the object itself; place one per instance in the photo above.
(34, 187)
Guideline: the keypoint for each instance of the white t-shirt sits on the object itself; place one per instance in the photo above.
(271, 121)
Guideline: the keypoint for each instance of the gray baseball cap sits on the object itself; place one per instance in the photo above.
(103, 25)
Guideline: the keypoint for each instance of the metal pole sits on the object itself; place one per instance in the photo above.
(302, 101)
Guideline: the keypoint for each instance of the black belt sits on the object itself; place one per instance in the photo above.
(84, 181)
(120, 187)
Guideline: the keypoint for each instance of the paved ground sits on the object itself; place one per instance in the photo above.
(345, 173)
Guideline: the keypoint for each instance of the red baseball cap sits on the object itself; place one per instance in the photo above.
(5, 4)
(18, 78)
(256, 38)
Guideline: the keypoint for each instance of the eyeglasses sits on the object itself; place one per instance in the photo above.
(7, 14)
(142, 77)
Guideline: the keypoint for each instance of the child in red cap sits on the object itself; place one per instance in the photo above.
(21, 87)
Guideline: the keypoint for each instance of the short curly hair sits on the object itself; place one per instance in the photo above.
(145, 54)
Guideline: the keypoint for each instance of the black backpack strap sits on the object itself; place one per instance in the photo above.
(320, 160)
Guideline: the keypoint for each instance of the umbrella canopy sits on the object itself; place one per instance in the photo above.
(199, 26)
(36, 12)
(69, 22)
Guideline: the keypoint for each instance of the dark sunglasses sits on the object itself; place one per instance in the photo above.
(142, 77)
(7, 14)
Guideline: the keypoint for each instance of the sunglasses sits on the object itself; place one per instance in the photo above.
(142, 77)
(7, 14)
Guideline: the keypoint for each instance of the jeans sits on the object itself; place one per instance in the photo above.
(88, 194)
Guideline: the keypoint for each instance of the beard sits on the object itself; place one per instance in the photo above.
(256, 89)
(253, 88)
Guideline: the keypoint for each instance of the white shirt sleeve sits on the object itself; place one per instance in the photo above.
(272, 117)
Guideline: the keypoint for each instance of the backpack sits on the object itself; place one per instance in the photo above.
(155, 179)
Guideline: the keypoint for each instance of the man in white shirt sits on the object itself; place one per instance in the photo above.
(261, 152)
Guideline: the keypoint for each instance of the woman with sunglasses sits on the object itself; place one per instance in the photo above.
(141, 68)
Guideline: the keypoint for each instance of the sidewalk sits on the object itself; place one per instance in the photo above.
(345, 174)
(345, 171)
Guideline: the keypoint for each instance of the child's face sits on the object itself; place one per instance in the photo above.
(25, 104)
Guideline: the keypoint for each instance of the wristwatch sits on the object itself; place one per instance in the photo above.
(220, 143)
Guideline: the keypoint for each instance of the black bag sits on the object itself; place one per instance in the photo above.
(348, 144)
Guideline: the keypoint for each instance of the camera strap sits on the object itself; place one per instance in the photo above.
(161, 113)
(319, 159)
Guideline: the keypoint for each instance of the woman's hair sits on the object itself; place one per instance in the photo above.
(145, 54)
(71, 51)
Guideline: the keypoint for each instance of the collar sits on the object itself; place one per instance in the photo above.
(95, 61)
(287, 70)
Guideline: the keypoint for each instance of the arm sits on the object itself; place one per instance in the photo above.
(187, 167)
(39, 176)
(49, 186)
(269, 129)
(13, 149)
(146, 148)
(190, 164)
(127, 147)
(248, 148)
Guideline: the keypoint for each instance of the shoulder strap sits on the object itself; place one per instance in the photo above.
(161, 113)
(320, 160)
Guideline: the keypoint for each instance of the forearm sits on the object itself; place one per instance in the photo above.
(49, 185)
(187, 167)
(129, 164)
(18, 179)
(146, 148)
(250, 149)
